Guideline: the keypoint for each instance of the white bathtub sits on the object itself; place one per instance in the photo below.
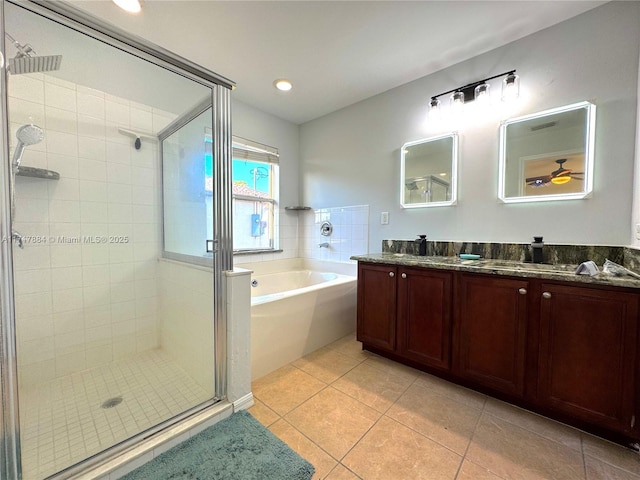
(296, 312)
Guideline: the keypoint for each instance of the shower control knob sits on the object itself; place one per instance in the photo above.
(391, 274)
(404, 275)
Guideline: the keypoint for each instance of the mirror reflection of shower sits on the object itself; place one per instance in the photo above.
(28, 61)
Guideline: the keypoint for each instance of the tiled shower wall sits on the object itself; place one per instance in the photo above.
(350, 235)
(80, 303)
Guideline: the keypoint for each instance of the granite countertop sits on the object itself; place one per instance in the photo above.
(510, 268)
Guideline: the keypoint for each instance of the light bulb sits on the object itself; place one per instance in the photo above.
(457, 102)
(131, 6)
(434, 110)
(510, 87)
(481, 93)
(283, 84)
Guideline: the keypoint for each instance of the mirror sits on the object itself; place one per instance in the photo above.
(428, 172)
(548, 155)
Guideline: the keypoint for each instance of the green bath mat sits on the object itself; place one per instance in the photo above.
(237, 448)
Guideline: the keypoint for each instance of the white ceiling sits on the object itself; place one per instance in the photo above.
(336, 53)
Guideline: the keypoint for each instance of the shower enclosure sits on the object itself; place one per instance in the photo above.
(107, 145)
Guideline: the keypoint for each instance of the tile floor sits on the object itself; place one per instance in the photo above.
(62, 422)
(355, 415)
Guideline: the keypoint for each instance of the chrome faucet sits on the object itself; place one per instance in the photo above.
(323, 244)
(18, 238)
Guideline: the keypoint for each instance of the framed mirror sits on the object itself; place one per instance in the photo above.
(548, 155)
(428, 172)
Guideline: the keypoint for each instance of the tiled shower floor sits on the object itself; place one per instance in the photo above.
(63, 421)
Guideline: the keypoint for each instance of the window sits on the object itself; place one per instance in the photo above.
(255, 196)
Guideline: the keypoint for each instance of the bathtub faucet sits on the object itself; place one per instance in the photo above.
(324, 244)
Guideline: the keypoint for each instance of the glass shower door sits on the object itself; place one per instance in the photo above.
(111, 339)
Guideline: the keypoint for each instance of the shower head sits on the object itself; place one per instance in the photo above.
(47, 63)
(28, 61)
(26, 135)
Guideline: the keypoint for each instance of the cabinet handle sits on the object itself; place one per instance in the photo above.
(546, 295)
(404, 275)
(522, 291)
(391, 274)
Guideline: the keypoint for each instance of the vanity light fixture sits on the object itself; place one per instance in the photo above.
(130, 6)
(479, 91)
(283, 84)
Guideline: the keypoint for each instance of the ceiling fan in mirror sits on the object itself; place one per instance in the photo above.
(558, 177)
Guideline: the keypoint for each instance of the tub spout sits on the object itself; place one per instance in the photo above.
(323, 244)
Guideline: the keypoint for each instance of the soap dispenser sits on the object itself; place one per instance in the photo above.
(422, 249)
(537, 254)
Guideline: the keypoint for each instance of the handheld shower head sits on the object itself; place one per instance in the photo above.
(26, 135)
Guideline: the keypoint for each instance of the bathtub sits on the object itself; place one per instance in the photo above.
(296, 312)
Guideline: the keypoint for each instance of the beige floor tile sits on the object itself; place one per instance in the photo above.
(326, 364)
(333, 420)
(598, 470)
(471, 471)
(392, 367)
(286, 388)
(438, 417)
(342, 473)
(455, 392)
(541, 425)
(304, 447)
(263, 414)
(512, 452)
(350, 346)
(392, 451)
(372, 386)
(611, 453)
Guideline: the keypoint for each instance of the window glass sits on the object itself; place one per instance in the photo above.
(255, 196)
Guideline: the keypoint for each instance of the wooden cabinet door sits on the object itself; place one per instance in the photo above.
(424, 316)
(588, 341)
(491, 322)
(377, 305)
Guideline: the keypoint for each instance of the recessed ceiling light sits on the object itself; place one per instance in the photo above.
(131, 6)
(283, 84)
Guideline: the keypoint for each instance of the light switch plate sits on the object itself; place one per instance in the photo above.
(384, 218)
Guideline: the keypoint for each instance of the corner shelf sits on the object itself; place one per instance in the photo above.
(37, 173)
(297, 208)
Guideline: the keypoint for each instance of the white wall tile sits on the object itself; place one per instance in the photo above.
(26, 88)
(91, 191)
(92, 148)
(91, 104)
(92, 170)
(64, 278)
(60, 97)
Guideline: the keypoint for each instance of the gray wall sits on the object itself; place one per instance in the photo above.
(352, 156)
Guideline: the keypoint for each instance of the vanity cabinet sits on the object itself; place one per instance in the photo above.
(406, 311)
(424, 316)
(377, 306)
(565, 349)
(490, 331)
(587, 357)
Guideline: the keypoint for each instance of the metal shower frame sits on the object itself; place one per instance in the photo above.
(221, 87)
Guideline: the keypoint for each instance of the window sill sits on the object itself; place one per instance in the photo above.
(252, 252)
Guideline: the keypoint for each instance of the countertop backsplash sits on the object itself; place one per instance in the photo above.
(521, 252)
